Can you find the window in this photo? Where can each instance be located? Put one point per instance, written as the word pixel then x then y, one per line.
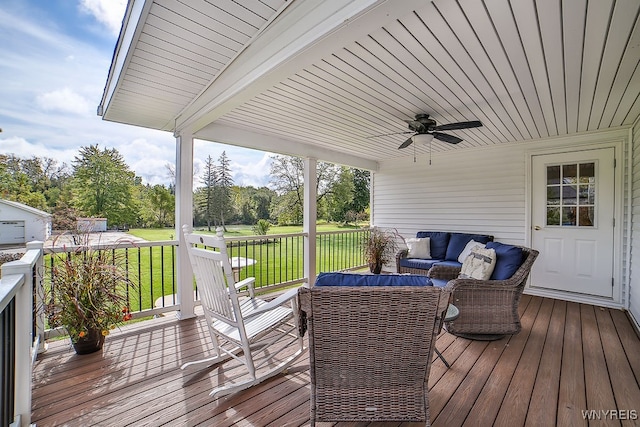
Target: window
pixel 571 194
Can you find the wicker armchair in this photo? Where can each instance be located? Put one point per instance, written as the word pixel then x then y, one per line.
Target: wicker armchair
pixel 371 350
pixel 488 308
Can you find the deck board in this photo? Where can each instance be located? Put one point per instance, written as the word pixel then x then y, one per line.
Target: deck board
pixel 568 358
pixel 543 404
pixel 571 396
pixel 518 394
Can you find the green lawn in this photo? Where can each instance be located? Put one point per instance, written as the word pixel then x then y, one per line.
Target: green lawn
pixel 277 260
pixel 158 234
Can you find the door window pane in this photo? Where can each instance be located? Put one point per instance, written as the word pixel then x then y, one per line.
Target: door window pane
pixel 568 216
pixel 569 174
pixel 553 175
pixel 571 194
pixel 553 216
pixel 585 218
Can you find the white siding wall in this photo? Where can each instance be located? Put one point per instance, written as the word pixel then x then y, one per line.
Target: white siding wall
pixel 634 282
pixel 485 191
pixel 479 191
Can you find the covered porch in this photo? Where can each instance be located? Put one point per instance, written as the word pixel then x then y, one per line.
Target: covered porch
pixel 554 85
pixel 336 81
pixel 570 365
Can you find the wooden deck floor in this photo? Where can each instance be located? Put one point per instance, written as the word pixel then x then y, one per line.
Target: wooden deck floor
pixel 568 358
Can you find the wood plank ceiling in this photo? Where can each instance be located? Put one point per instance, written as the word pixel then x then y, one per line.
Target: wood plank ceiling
pixel 527 69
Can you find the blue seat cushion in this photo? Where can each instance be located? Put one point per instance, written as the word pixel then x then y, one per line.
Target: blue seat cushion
pixel 508 260
pixel 458 241
pixel 423 264
pixel 449 263
pixel 438 241
pixel 439 283
pixel 353 279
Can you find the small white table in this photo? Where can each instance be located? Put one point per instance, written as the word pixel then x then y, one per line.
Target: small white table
pixel 238 263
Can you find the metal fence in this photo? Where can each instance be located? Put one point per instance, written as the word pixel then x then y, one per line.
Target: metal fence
pixel 275 261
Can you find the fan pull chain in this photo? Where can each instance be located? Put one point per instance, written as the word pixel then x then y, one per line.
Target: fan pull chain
pixel 429 153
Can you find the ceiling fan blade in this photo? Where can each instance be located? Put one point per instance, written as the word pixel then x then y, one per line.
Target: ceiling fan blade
pixel 406 143
pixel 393 133
pixel 451 139
pixel 459 125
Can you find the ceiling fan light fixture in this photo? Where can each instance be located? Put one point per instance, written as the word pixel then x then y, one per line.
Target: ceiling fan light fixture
pixel 423 138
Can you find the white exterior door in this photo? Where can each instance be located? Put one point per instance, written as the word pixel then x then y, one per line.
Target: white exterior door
pixel 573 221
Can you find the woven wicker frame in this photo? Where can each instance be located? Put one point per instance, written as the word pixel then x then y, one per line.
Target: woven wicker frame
pixel 488 308
pixel 371 350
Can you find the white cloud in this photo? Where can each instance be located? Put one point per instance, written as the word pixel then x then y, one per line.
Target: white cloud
pixel 254 173
pixel 66 101
pixel 107 12
pixel 25 150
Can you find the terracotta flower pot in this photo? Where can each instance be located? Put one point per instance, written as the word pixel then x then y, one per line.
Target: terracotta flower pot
pixel 90 343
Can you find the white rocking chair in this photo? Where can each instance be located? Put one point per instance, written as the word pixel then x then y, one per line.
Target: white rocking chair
pixel 262 331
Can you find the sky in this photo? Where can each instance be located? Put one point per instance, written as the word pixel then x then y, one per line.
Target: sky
pixel 54 61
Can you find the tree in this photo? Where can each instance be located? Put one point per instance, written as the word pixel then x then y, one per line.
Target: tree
pixel 208 198
pixel 287 178
pixel 103 186
pixel 17 185
pixel 340 198
pixel 158 206
pixel 361 185
pixel 224 182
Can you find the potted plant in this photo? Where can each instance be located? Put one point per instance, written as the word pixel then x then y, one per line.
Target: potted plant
pixel 380 248
pixel 88 292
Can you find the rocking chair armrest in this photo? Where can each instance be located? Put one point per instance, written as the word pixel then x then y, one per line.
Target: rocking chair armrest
pixel 248 283
pixel 291 294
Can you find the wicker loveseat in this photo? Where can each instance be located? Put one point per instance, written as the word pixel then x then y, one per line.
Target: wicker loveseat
pixel 371 346
pixel 444 249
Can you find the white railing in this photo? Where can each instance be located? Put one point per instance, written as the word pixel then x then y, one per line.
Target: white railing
pixel 19 346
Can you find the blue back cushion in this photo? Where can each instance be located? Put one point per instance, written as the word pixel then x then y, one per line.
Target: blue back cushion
pixel 508 259
pixel 438 240
pixel 352 279
pixel 458 241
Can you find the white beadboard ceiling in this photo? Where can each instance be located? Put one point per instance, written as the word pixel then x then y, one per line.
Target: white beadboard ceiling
pixel 307 77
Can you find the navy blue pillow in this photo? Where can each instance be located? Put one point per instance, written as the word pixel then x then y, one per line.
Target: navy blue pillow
pixel 508 260
pixel 438 242
pixel 353 279
pixel 458 241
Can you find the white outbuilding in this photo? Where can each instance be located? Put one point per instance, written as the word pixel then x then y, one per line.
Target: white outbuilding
pixel 20 223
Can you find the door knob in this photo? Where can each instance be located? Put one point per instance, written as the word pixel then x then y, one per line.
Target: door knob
pixel 537 227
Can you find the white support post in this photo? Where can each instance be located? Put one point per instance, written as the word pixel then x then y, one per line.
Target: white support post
pixel 24 329
pixel 184 215
pixel 310 219
pixel 39 299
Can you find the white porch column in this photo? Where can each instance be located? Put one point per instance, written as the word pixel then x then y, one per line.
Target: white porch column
pixel 309 219
pixel 184 215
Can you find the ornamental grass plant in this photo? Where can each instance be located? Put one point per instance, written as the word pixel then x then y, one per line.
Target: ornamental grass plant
pixel 89 289
pixel 380 248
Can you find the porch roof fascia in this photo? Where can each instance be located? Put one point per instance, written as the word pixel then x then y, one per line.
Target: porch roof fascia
pixel 246 138
pixel 132 23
